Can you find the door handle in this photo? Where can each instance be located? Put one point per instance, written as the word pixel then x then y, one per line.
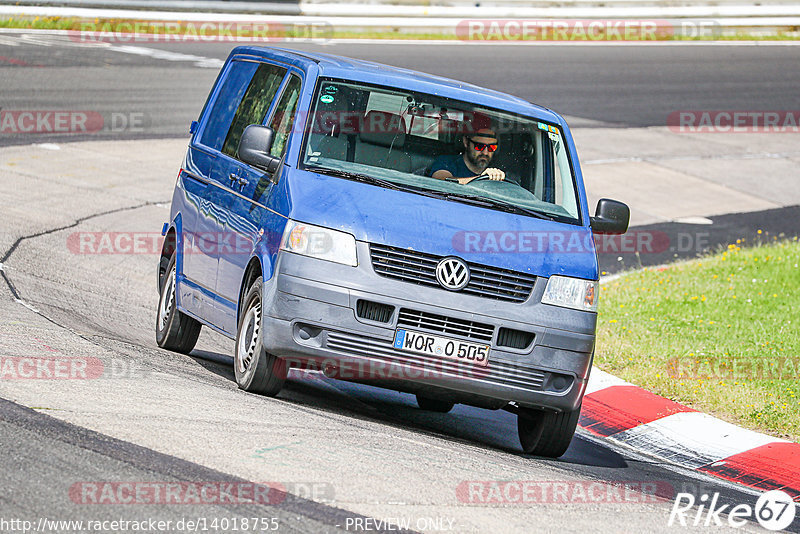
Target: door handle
pixel 232 178
pixel 242 182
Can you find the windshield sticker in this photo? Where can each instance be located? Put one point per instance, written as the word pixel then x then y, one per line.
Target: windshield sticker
pixel 327 99
pixel 553 137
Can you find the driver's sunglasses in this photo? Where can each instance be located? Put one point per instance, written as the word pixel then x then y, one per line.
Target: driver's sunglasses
pixel 480 146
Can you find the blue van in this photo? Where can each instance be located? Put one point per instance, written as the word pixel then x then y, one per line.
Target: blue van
pixel 387 227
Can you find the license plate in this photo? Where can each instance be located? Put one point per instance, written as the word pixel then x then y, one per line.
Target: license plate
pixel 443 347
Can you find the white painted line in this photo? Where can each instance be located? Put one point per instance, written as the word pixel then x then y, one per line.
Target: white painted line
pixel 692 439
pixel 606 161
pixel 20 301
pixel 8 41
pixel 199 61
pixel 693 220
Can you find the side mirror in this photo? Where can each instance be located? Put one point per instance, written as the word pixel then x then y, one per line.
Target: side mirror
pixel 254 148
pixel 610 217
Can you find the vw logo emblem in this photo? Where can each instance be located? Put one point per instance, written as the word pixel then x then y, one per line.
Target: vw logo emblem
pixel 452 273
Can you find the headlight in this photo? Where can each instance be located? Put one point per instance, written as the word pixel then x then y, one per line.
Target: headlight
pixel 320 243
pixel 571 293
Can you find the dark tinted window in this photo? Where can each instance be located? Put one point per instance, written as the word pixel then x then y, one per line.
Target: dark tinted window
pixel 227 102
pixel 283 118
pixel 254 105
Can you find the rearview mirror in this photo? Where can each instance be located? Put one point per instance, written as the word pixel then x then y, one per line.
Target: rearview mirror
pixel 254 147
pixel 610 217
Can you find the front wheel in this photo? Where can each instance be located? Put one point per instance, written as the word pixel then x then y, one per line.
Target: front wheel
pixel 546 433
pixel 256 370
pixel 174 329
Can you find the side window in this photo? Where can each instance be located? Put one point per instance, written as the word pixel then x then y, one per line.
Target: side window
pixel 254 105
pixel 230 95
pixel 283 118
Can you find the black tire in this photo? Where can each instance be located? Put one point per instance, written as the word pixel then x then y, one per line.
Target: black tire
pixel 434 405
pixel 544 433
pixel 256 370
pixel 174 330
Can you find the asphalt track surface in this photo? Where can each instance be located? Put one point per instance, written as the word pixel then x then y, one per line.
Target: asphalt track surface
pixel 626 86
pixel 183 419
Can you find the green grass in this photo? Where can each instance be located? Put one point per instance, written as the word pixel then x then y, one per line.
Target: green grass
pixel 720 334
pixel 76 24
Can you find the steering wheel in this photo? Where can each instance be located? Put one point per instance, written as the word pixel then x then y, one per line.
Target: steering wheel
pixel 483 177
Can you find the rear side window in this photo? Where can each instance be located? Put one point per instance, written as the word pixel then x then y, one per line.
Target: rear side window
pixel 227 102
pixel 283 117
pixel 254 105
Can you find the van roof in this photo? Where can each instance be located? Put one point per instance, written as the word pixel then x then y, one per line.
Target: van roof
pixel 329 65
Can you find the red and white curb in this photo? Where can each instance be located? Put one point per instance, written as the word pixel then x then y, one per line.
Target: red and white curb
pixel 627 414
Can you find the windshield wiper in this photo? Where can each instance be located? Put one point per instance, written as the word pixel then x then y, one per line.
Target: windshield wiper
pixel 474 200
pixel 354 176
pixel 358 177
pixel 496 204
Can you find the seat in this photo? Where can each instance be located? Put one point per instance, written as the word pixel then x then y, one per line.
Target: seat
pixel 329 144
pixel 380 142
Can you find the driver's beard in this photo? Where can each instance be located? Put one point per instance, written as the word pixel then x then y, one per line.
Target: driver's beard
pixel 480 164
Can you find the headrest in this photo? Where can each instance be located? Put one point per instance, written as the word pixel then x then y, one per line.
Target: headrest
pixel 477 121
pixel 383 128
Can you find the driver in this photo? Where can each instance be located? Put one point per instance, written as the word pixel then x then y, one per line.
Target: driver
pixel 479 149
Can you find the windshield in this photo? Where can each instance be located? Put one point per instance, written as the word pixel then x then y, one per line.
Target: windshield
pixel 440 147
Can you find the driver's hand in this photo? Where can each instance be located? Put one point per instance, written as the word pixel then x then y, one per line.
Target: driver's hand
pixel 495 174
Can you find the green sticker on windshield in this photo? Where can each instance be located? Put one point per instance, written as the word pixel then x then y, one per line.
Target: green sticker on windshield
pixel 327 99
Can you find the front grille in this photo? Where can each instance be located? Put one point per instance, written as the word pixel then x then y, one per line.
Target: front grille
pixel 441 324
pixel 374 311
pixel 498 372
pixel 420 268
pixel 515 339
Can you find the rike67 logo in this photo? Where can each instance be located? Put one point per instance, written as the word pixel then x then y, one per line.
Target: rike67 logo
pixel 774 510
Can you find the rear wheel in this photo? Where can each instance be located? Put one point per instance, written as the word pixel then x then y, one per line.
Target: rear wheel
pixel 256 370
pixel 546 433
pixel 174 329
pixel 434 405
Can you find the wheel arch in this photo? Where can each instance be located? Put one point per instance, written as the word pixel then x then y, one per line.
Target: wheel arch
pixel 252 272
pixel 170 246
